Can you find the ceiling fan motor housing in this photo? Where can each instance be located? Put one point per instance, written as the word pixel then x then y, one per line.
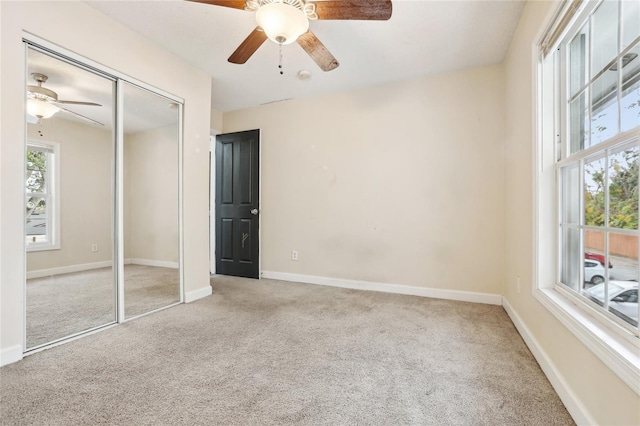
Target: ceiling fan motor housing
pixel 39 92
pixel 43 94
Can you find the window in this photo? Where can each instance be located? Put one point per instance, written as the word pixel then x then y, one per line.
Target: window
pixel 597 168
pixel 41 196
pixel 587 183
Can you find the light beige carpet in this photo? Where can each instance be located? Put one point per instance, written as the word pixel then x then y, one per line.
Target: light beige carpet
pixel 276 353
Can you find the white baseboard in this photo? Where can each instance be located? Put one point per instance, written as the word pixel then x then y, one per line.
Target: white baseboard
pixel 151 262
pixel 10 355
pixel 576 408
pixel 68 269
pixel 193 295
pixel 96 265
pixel 436 293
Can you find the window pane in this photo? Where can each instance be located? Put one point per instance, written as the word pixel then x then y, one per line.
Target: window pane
pixel 623 189
pixel 36 169
pixel 623 288
pixel 630 108
pixel 605 35
pixel 594 174
pixel 36 186
pixel 37 220
pixel 578 60
pixel 570 274
pixel 604 107
pixel 630 22
pixel 571 195
pixel 595 261
pixel 579 124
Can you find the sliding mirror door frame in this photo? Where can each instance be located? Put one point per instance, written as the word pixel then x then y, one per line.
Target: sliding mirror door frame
pixel 34 42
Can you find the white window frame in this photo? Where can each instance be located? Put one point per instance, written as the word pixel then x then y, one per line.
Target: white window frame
pixel 53 197
pixel 614 343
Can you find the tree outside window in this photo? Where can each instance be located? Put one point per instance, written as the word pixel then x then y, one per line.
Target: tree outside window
pixel 39 196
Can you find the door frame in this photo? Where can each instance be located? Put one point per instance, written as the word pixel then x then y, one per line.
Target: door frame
pixel 212 200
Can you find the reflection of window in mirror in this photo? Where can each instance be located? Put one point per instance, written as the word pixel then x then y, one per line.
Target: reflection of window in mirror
pixel 41 196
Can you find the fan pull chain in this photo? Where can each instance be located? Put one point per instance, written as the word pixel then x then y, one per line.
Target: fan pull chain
pixel 40 127
pixel 280 61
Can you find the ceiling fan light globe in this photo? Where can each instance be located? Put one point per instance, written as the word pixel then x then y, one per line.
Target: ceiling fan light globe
pixel 281 22
pixel 41 109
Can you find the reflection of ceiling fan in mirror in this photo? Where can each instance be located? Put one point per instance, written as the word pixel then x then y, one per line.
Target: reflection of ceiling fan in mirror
pixel 43 103
pixel 287 21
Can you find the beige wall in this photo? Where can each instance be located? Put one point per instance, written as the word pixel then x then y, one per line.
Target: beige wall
pixel 81 29
pixel 401 183
pixel 86 175
pixel 216 119
pixel 603 395
pixel 151 195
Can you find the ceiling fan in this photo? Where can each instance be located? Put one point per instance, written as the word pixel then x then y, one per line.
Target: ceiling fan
pixel 287 21
pixel 44 103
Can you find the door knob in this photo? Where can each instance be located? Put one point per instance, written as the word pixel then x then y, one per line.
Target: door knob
pixel 254 211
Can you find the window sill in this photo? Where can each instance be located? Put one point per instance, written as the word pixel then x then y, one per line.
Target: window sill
pixel 618 352
pixel 46 247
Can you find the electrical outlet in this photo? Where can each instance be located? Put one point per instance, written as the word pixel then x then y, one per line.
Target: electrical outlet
pixel 294 255
pixel 518 283
pixel 94 247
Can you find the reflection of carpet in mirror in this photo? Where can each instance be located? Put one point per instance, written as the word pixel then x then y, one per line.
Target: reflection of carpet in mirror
pixel 62 305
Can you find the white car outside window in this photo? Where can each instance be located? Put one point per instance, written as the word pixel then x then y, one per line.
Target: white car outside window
pixel 593 272
pixel 622 299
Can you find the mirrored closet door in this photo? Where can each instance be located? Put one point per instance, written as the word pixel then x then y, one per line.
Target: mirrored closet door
pixel 69 200
pixel 102 199
pixel 151 150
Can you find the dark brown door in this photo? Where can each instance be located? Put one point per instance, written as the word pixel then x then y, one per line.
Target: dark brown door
pixel 237 196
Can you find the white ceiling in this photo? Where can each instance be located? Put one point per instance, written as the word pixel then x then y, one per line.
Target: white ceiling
pixel 422 37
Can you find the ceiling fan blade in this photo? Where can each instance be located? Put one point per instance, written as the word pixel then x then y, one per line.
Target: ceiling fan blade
pixel 235 4
pixel 82 116
pixel 77 103
pixel 320 54
pixel 248 47
pixel 365 10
